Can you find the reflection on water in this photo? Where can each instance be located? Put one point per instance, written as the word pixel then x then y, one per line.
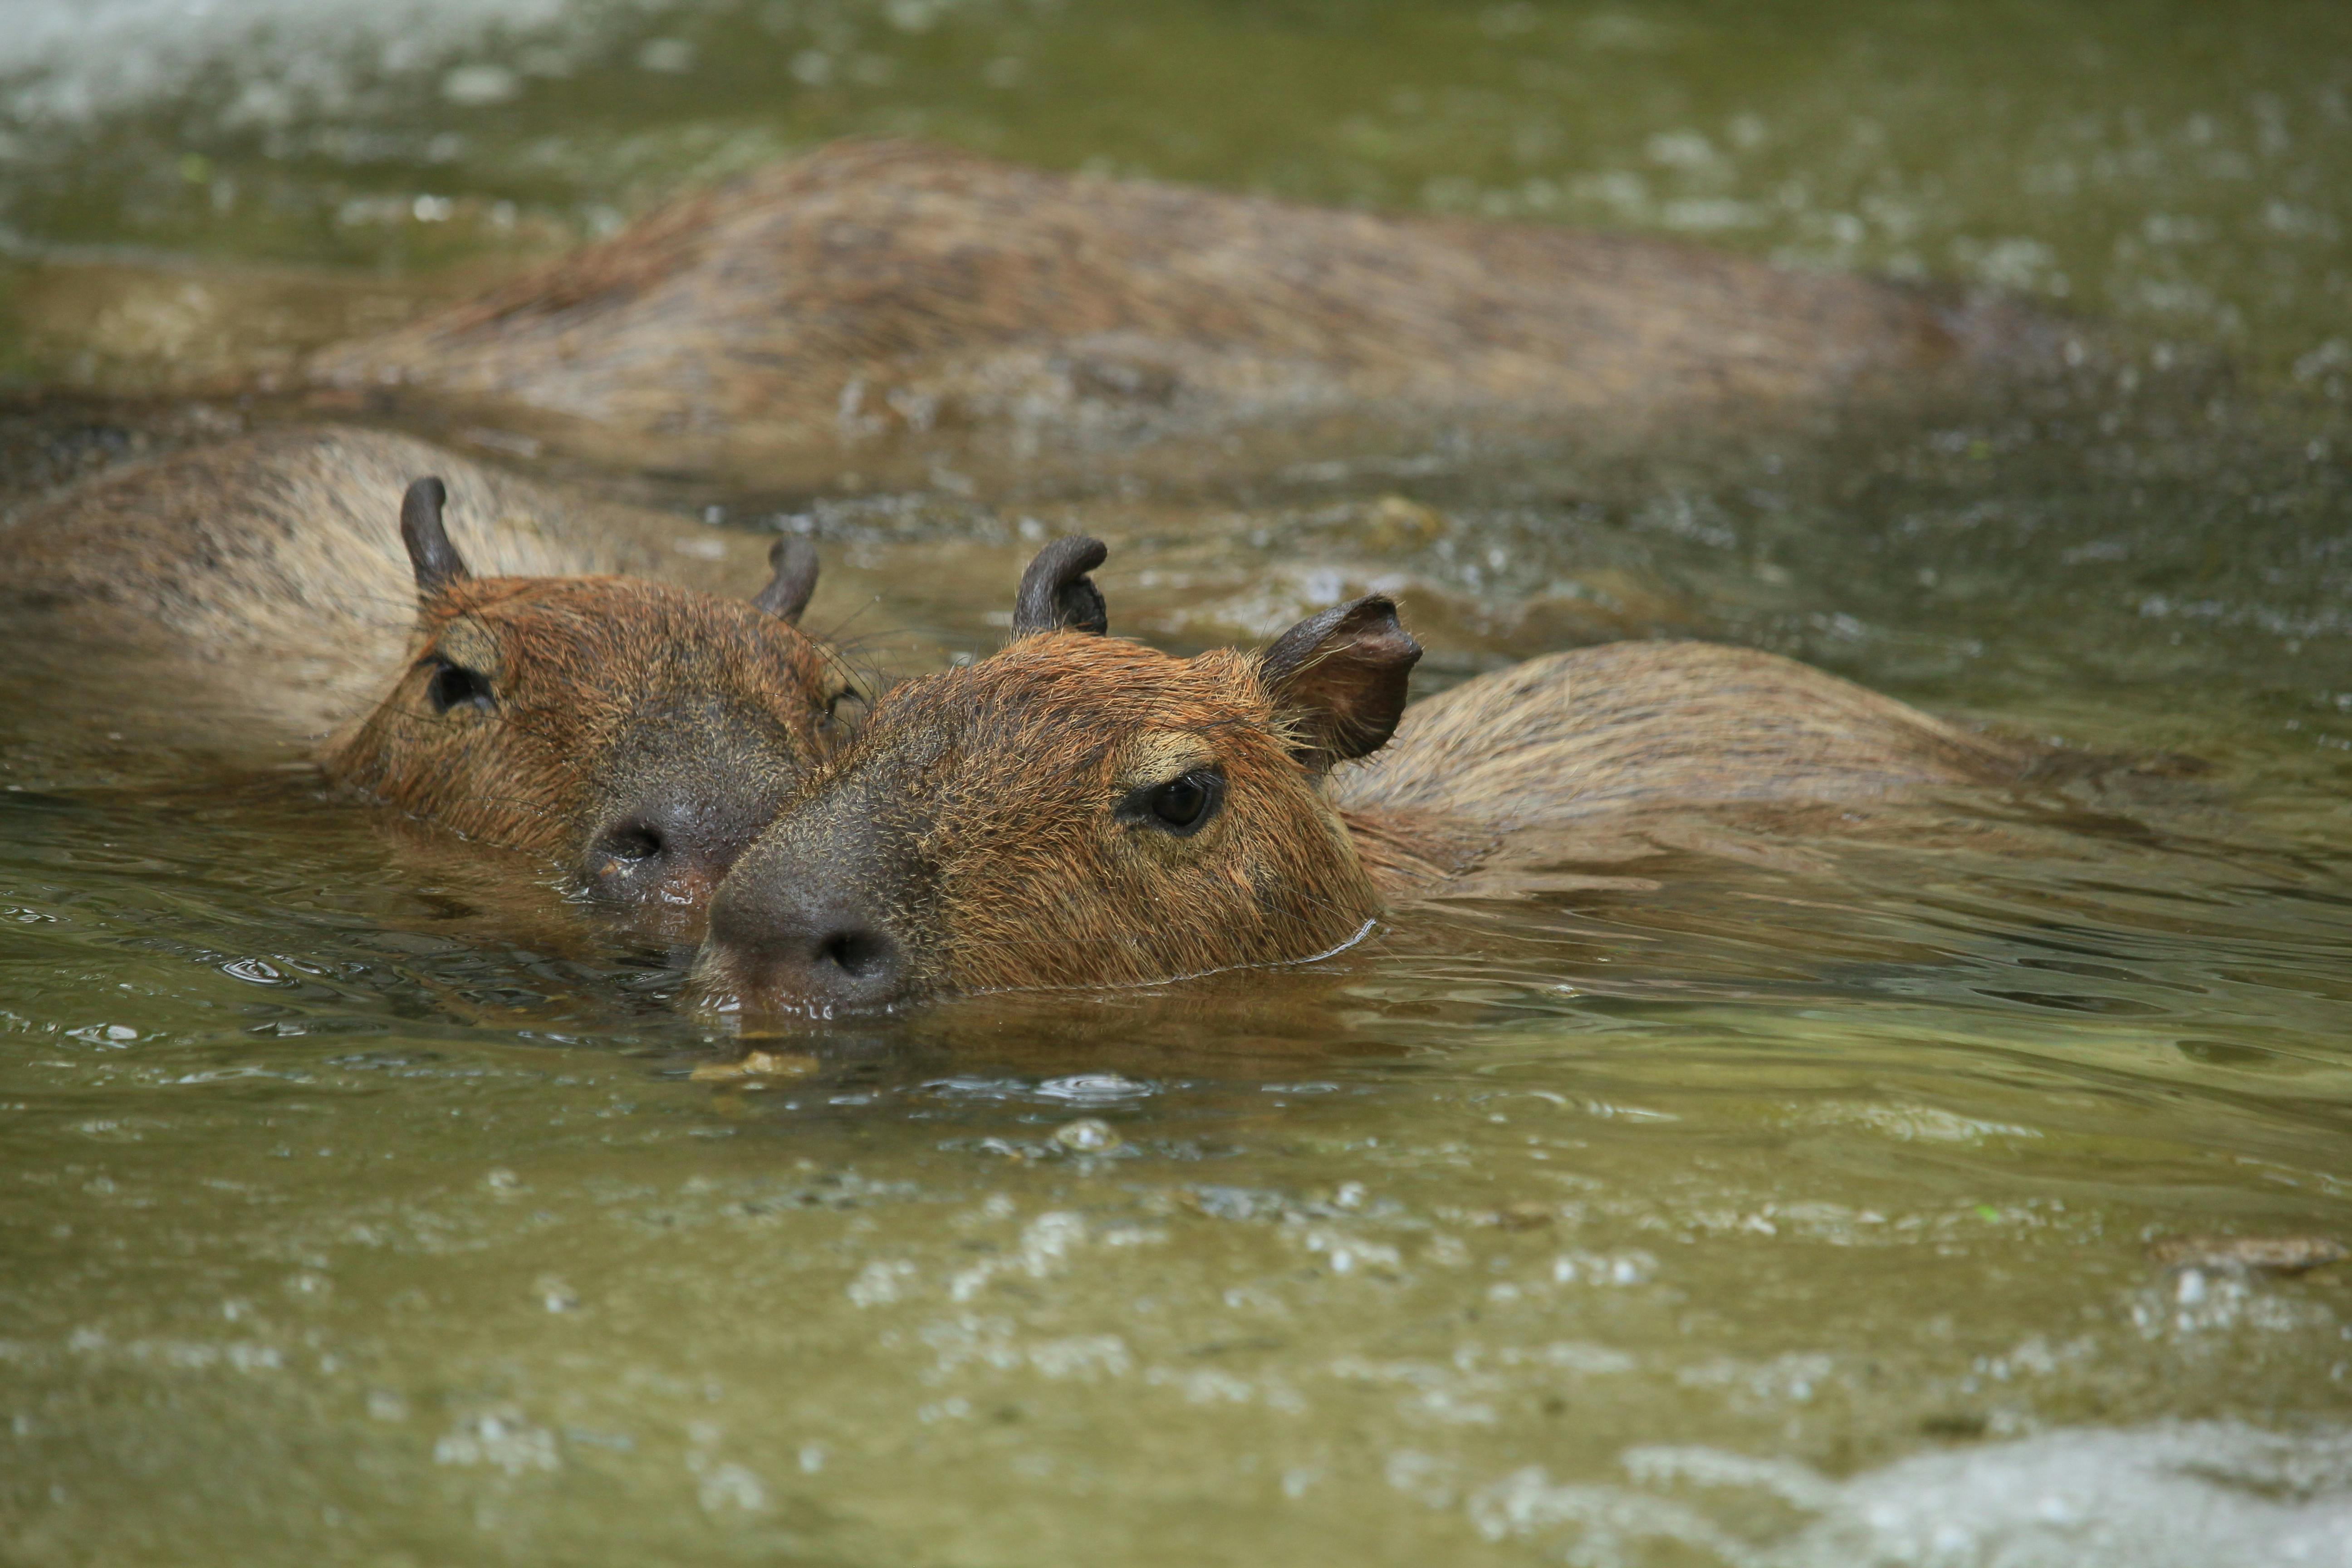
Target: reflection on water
pixel 1794 1209
pixel 1768 1193
pixel 2178 166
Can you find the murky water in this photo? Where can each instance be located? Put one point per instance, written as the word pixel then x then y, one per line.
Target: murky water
pixel 1786 1202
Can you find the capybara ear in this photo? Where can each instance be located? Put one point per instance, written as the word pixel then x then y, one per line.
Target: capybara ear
pixel 787 594
pixel 1056 595
pixel 434 559
pixel 1339 679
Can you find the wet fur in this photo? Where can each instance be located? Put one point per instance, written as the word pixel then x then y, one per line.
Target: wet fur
pixel 605 685
pixel 986 790
pixel 974 808
pixel 271 565
pixel 264 585
pixel 1640 723
pixel 805 317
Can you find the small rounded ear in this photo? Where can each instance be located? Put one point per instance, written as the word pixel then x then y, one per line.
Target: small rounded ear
pixel 787 594
pixel 1339 679
pixel 436 560
pixel 1056 595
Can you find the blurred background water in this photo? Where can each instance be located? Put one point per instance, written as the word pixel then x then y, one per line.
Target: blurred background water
pixel 355 1206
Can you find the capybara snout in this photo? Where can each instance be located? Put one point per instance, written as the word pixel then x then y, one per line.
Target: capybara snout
pixel 638 734
pixel 791 943
pixel 685 791
pixel 1074 811
pixel 263 593
pixel 1081 811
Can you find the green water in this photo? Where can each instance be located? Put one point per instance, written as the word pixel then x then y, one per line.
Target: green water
pixel 358 1202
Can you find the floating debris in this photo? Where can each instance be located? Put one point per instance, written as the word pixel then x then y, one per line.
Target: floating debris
pixel 2273 1254
pixel 755 1065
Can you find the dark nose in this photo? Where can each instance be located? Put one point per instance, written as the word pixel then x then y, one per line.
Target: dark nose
pixel 800 950
pixel 666 852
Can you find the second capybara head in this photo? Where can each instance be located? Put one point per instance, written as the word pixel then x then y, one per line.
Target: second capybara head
pixel 1074 811
pixel 640 735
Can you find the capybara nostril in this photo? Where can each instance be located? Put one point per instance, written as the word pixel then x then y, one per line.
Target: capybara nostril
pixel 860 956
pixel 630 843
pixel 773 948
pixel 1079 810
pixel 535 712
pixel 627 858
pixel 671 850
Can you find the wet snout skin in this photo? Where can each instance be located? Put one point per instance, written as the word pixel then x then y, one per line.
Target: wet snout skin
pixel 1074 812
pixel 638 735
pixel 696 779
pixel 817 919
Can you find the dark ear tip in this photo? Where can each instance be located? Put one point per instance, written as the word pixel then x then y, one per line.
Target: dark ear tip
pixel 1371 619
pixel 1055 592
pixel 794 561
pixel 1378 610
pixel 1374 609
pixel 1344 672
pixel 434 559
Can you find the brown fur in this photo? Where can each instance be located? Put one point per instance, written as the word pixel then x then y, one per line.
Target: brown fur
pixel 271 565
pixel 972 830
pixel 1637 723
pixel 600 680
pixel 998 781
pixel 264 583
pixel 805 318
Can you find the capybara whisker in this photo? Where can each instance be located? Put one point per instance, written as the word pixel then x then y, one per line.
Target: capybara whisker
pixel 1081 811
pixel 639 733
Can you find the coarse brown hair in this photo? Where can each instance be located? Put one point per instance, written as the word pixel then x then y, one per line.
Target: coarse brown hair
pixel 639 733
pixel 1078 810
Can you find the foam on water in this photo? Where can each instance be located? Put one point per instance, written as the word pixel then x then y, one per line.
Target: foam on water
pixel 2206 1494
pixel 2185 1495
pixel 72 61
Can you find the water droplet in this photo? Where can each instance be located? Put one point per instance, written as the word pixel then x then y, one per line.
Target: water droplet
pixel 1087 1135
pixel 1093 1089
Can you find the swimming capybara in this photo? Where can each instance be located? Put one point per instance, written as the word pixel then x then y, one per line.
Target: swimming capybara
pixel 1078 810
pixel 308 580
pixel 877 303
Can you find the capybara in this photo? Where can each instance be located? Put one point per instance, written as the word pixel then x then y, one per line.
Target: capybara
pixel 1078 810
pixel 305 580
pixel 872 302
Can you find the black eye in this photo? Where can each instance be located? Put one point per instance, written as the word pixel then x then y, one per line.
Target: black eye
pixel 1181 806
pixel 455 686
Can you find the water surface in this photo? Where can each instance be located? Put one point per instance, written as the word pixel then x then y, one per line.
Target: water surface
pixel 1786 1202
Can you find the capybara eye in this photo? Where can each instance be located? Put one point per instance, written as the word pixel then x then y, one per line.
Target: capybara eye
pixel 1181 806
pixel 455 686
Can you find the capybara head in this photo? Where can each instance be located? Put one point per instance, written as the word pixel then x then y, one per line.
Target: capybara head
pixel 640 734
pixel 1074 811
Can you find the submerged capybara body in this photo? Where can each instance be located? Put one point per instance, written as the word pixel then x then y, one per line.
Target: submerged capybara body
pixel 1082 811
pixel 876 295
pixel 283 547
pixel 1571 735
pixel 306 581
